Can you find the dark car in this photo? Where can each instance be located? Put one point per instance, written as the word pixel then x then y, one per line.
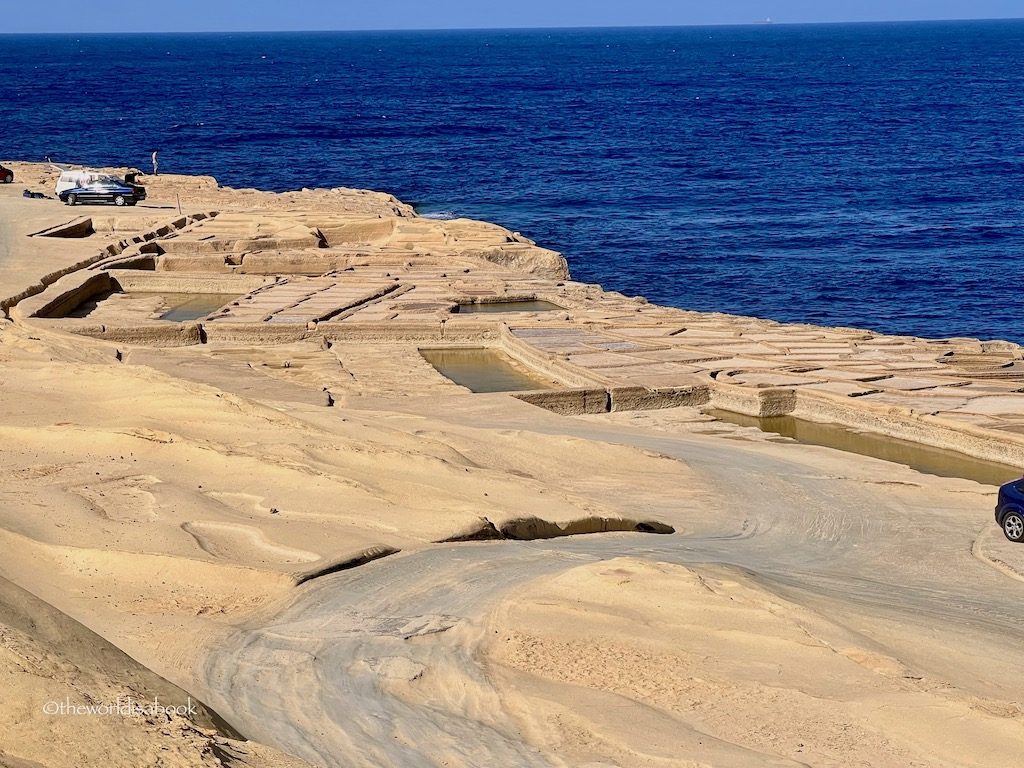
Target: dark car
pixel 1010 509
pixel 6 175
pixel 109 190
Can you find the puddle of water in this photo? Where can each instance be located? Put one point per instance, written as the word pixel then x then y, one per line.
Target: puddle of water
pixel 483 370
pixel 176 307
pixel 489 307
pixel 182 307
pixel 923 458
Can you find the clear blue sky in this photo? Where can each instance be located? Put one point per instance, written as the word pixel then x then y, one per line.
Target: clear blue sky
pixel 282 15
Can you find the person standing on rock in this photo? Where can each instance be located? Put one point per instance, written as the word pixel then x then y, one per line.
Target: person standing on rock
pixel 155 166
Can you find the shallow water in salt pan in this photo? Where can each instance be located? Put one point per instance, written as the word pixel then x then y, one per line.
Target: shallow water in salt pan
pixel 498 307
pixel 484 370
pixel 183 307
pixel 923 458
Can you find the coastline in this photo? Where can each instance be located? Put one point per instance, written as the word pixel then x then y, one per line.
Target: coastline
pixel 953 394
pixel 295 447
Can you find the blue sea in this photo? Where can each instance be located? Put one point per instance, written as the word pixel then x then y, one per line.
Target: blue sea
pixel 867 175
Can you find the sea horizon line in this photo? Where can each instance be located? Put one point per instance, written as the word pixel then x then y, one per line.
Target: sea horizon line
pixel 763 23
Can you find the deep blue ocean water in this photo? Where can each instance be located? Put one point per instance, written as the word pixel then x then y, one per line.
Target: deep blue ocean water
pixel 864 175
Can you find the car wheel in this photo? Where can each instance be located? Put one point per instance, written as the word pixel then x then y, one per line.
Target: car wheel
pixel 8 178
pixel 1013 526
pixel 72 199
pixel 119 200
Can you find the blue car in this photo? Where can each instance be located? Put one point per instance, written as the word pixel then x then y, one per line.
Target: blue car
pixel 108 190
pixel 1010 509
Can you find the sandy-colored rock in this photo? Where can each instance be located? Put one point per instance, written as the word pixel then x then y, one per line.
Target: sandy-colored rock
pixel 280 507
